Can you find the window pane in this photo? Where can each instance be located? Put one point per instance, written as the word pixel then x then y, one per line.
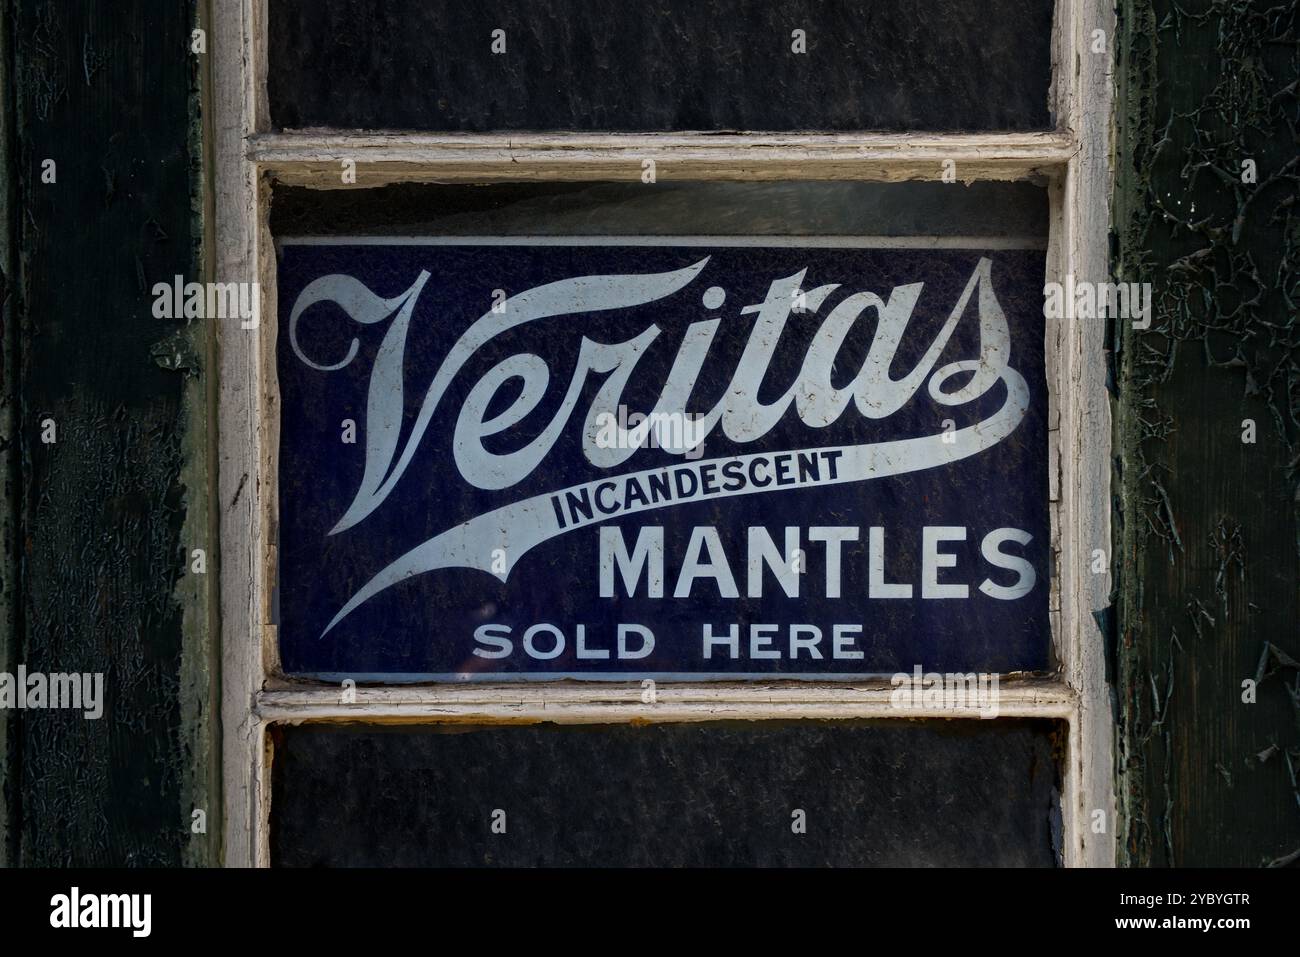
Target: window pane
pixel 718 794
pixel 670 65
pixel 465 495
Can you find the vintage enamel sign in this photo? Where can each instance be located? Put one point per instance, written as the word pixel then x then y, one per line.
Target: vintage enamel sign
pixel 676 458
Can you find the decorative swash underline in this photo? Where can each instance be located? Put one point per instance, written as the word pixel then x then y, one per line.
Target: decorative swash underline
pixel 513 530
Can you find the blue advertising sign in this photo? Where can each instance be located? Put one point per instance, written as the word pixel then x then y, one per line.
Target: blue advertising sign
pixel 685 457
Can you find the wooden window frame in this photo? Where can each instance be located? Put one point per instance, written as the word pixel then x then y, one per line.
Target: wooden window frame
pixel 1074 160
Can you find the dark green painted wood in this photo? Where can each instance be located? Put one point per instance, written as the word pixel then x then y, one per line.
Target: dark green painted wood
pixel 9 526
pixel 108 92
pixel 1210 560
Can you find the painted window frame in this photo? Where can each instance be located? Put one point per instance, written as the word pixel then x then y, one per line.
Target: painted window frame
pixel 245 157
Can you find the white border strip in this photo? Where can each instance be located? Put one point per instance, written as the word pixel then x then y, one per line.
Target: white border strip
pixel 596 677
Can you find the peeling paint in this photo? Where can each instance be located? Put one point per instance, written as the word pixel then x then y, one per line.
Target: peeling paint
pixel 1209 520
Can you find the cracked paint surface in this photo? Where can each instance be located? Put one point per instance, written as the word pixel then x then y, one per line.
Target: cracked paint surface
pixel 108 514
pixel 1207 520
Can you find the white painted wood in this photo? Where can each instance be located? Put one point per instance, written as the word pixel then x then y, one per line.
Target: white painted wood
pixel 1085 434
pixel 316 158
pixel 241 474
pixel 589 702
pixel 1076 163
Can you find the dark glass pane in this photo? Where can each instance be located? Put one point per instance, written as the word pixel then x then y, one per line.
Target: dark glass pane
pixel 988 209
pixel 633 65
pixel 721 794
